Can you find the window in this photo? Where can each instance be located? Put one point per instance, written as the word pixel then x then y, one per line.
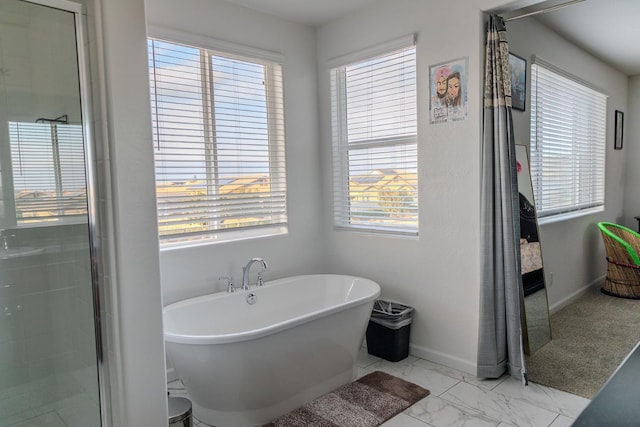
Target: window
pixel 375 143
pixel 568 127
pixel 47 163
pixel 218 132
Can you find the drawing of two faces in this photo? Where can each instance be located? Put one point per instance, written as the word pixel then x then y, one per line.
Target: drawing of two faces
pixel 448 87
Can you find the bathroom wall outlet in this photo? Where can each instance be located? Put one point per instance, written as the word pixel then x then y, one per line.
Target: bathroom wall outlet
pixel 550 280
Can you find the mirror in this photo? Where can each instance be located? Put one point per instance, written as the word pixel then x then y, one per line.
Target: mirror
pixel 535 322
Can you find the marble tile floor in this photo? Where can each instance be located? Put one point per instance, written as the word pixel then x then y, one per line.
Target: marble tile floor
pixel 68 399
pixel 459 399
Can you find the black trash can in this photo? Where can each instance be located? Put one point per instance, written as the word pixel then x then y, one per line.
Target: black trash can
pixel 389 329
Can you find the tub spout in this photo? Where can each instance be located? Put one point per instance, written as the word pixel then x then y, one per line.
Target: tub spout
pixel 246 268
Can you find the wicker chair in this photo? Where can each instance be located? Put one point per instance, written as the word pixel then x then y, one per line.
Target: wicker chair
pixel 623 264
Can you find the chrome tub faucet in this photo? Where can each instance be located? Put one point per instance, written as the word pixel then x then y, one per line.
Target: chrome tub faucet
pixel 245 272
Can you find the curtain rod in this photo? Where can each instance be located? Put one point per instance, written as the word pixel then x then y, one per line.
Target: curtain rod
pixel 547 9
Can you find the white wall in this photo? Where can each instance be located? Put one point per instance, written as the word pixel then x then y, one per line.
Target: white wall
pixel 194 271
pixel 631 152
pixel 573 252
pixel 134 300
pixel 438 273
pixel 41 78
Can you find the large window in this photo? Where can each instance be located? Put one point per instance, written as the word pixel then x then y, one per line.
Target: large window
pixel 218 132
pixel 568 129
pixel 375 143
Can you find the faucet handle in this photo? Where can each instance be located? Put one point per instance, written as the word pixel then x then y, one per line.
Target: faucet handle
pixel 230 287
pixel 260 281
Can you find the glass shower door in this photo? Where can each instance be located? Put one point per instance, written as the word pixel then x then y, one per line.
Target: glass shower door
pixel 48 356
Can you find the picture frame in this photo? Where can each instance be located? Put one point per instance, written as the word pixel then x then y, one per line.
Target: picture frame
pixel 619 130
pixel 448 91
pixel 518 70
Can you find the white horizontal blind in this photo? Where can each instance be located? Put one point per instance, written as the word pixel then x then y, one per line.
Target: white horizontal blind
pixel 568 141
pixel 375 143
pixel 48 169
pixel 218 131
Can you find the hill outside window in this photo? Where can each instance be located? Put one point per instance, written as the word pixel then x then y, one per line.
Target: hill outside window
pixel 375 140
pixel 218 134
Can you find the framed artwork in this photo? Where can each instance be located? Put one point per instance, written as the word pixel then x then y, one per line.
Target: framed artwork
pixel 518 69
pixel 619 129
pixel 448 91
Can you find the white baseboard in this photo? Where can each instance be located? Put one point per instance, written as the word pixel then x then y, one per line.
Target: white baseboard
pixel 574 296
pixel 443 359
pixel 440 358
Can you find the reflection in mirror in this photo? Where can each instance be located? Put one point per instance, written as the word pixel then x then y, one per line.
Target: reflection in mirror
pixel 536 326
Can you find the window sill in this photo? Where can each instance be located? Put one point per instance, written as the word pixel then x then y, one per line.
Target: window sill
pixel 227 237
pixel 380 232
pixel 569 215
pixel 62 222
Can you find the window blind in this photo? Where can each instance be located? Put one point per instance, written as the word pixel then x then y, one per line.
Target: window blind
pixel 47 161
pixel 568 141
pixel 375 143
pixel 218 132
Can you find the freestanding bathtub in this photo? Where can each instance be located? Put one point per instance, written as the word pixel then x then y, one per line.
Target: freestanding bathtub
pixel 249 356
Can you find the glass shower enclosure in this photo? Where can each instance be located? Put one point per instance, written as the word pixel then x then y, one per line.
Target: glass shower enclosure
pixel 49 361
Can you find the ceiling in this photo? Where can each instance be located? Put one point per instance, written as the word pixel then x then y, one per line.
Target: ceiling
pixel 608 29
pixel 308 12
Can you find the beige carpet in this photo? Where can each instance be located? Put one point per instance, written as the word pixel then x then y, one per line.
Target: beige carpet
pixel 367 402
pixel 590 338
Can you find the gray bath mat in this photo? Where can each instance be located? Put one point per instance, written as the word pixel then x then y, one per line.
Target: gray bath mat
pixel 367 402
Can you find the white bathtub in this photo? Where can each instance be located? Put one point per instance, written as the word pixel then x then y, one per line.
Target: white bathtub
pixel 245 364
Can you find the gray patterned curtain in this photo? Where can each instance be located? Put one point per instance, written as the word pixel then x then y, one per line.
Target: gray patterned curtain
pixel 500 336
